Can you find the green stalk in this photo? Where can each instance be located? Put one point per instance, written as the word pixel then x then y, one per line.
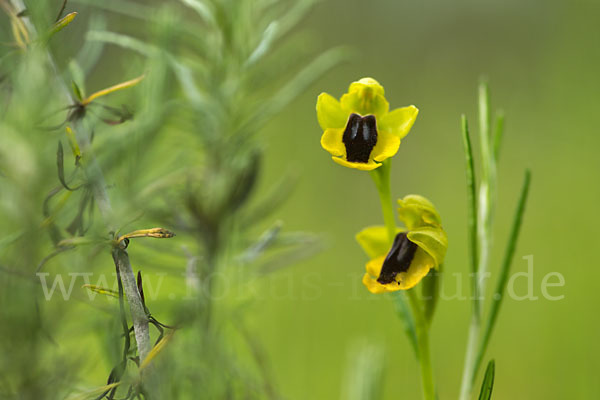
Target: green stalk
pixel 422 328
pixel 483 244
pixel 381 177
pixel 487 192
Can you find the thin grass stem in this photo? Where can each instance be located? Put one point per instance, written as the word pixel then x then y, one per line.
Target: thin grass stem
pixel 498 135
pixel 485 209
pixel 503 277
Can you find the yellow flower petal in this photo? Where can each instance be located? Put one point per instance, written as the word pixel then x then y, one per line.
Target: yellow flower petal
pixel 374 240
pixel 372 285
pixel 331 140
pixel 399 121
pixel 374 266
pixel 387 146
pixel 330 113
pixel 417 211
pixel 419 268
pixel 366 84
pixel 365 102
pixel 432 240
pixel 365 97
pixel 370 278
pixel 371 165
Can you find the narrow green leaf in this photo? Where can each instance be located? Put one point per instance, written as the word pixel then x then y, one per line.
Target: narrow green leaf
pixel 297 11
pixel 262 244
pixel 77 241
pixel 498 295
pixel 101 290
pixel 471 211
pixel 140 286
pixel 202 9
pixel 94 392
pixel 484 110
pixel 299 247
pixel 265 44
pixel 156 350
pixel 62 23
pixel 406 318
pixel 124 41
pixel 484 129
pixel 498 134
pixel 60 165
pixel 488 381
pixel 61 168
pixel 89 54
pixel 184 74
pixel 76 91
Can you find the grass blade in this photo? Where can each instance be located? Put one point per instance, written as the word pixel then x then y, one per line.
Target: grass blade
pixel 488 381
pixel 504 271
pixel 472 210
pixel 484 125
pixel 498 134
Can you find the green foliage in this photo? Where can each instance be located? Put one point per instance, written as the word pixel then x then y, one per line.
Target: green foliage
pixel 480 228
pixel 145 153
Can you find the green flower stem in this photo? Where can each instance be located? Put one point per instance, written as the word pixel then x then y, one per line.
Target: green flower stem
pixel 381 177
pixel 422 328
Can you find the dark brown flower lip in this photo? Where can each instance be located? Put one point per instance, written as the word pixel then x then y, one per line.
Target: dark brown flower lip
pixel 360 137
pixel 398 259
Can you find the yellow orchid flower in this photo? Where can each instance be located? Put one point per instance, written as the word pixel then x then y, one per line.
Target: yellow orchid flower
pixel 359 130
pixel 416 249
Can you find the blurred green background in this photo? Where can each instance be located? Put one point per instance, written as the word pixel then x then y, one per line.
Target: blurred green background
pixel 541 59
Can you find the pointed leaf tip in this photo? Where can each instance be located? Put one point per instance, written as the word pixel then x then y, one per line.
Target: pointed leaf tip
pixel 488 381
